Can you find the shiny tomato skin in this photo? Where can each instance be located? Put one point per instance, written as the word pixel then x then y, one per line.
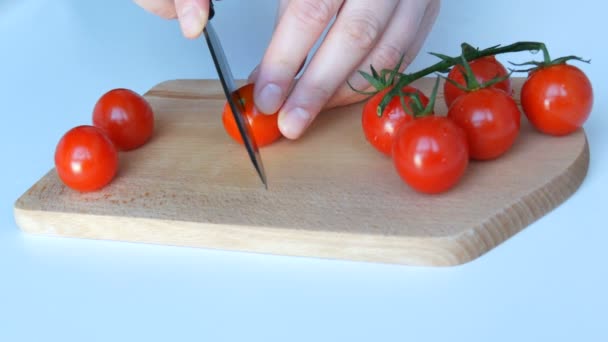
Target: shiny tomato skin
pixel 558 99
pixel 491 120
pixel 380 131
pixel 126 117
pixel 265 128
pixel 86 159
pixel 485 69
pixel 431 154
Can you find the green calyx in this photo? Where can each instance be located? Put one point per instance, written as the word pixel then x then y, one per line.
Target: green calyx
pixel 379 81
pixel 547 61
pixel 471 83
pixel 534 65
pixel 418 110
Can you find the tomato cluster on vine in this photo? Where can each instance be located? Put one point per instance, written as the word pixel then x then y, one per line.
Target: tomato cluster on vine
pixel 432 152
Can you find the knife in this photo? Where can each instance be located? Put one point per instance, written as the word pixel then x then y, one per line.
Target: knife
pixel 232 95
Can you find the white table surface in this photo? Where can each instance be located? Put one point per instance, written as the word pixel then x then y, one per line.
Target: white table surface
pixel 550 282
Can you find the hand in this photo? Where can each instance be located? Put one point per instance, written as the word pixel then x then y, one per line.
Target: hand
pixel 192 14
pixel 365 32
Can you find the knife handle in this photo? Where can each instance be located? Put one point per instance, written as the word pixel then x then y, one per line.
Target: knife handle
pixel 211 10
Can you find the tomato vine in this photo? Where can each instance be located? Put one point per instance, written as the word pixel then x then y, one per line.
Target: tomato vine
pixel 469 53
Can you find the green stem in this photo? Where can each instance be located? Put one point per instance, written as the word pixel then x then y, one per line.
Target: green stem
pixel 546 55
pixel 468 74
pixel 470 54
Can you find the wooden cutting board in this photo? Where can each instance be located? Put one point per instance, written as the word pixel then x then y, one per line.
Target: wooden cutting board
pixel 330 195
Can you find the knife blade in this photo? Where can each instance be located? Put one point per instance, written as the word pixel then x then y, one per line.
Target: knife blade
pixel 234 98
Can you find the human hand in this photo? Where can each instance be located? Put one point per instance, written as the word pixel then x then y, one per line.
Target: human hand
pixel 192 14
pixel 364 32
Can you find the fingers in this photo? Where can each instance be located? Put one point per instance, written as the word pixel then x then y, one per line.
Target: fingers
pixel 192 15
pixel 162 8
pixel 280 11
pixel 430 15
pixel 405 35
pixel 299 28
pixel 354 33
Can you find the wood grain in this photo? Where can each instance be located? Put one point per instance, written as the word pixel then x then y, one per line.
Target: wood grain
pixel 330 194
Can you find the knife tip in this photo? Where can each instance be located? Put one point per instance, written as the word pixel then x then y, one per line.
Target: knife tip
pixel 261 173
pixel 264 182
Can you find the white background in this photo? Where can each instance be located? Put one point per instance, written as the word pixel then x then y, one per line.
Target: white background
pixel 56 58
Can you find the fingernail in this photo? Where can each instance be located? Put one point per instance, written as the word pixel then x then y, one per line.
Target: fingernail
pixel 270 99
pixel 191 21
pixel 253 75
pixel 293 123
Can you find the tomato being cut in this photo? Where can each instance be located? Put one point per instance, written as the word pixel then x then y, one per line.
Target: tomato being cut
pixel 126 117
pixel 86 159
pixel 431 154
pixel 265 128
pixel 381 130
pixel 557 99
pixel 491 120
pixel 485 69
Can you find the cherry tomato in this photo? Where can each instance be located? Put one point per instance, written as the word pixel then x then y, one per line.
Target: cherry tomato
pixel 431 154
pixel 484 69
pixel 265 128
pixel 491 120
pixel 86 159
pixel 126 117
pixel 557 99
pixel 381 130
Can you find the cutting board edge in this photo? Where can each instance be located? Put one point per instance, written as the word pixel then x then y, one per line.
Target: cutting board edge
pixel 529 208
pixel 164 89
pixel 441 251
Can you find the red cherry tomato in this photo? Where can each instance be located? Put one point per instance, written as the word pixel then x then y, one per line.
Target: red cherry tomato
pixel 381 130
pixel 431 154
pixel 484 69
pixel 557 99
pixel 491 120
pixel 265 128
pixel 86 159
pixel 126 117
